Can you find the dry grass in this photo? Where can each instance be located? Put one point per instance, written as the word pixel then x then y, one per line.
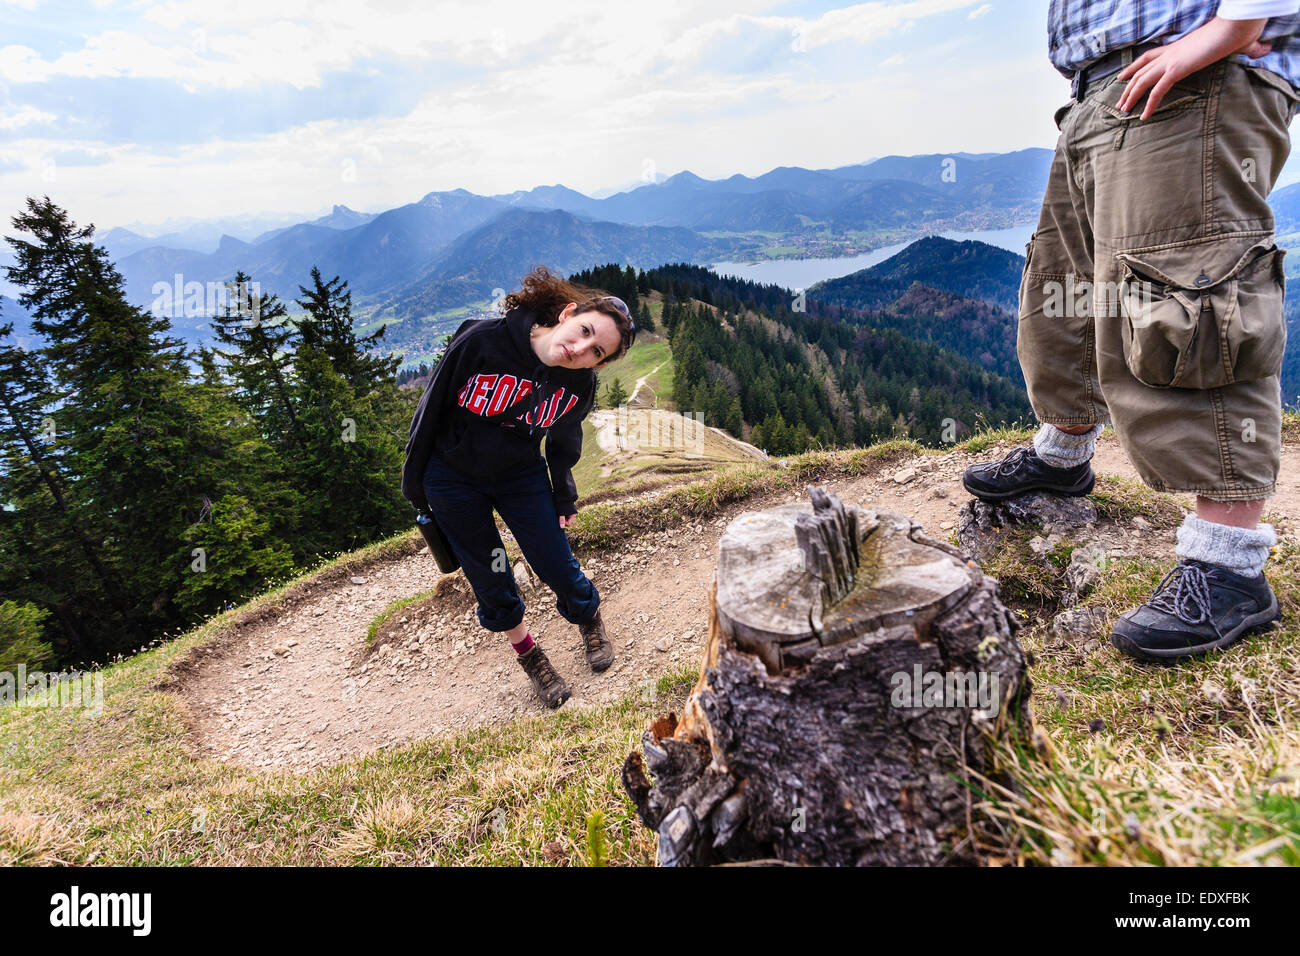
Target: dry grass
pixel 1188 765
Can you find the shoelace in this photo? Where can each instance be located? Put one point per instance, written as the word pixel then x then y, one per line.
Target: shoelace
pixel 1184 590
pixel 545 671
pixel 1011 464
pixel 590 636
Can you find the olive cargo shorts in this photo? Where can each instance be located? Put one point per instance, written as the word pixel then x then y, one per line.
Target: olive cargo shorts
pixel 1152 290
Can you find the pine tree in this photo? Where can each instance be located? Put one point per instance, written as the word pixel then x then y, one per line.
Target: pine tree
pixel 46 554
pixel 615 394
pixel 260 344
pixel 135 448
pixel 328 327
pixel 735 421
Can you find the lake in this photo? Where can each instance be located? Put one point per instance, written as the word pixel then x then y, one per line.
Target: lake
pixel 802 273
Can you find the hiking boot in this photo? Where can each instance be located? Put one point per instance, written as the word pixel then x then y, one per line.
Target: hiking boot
pixel 548 684
pixel 1197 607
pixel 600 652
pixel 1021 471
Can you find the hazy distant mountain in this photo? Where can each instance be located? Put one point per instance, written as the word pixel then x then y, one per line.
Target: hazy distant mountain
pixel 1286 209
pixel 340 217
pixel 497 254
pixel 551 197
pixel 12 312
pixel 120 242
pixel 383 254
pixel 380 254
pixel 200 235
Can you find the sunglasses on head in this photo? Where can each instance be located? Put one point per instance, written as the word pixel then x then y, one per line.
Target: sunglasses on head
pixel 619 304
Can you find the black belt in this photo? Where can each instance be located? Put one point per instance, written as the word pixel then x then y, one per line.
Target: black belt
pixel 1112 62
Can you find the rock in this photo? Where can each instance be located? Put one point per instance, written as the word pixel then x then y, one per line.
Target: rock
pixel 1141 523
pixel 939 493
pixel 1084 570
pixel 280 649
pixel 904 475
pixel 980 524
pixel 1079 624
pixel 357 580
pixel 523 578
pixel 664 645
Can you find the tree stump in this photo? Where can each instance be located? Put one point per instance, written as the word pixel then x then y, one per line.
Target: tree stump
pixel 855 668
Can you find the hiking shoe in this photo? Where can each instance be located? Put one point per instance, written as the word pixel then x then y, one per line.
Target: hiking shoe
pixel 600 652
pixel 1021 471
pixel 548 684
pixel 1196 607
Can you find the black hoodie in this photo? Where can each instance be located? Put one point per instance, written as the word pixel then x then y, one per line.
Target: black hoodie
pixel 488 405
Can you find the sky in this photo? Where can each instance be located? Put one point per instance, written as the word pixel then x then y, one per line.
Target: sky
pixel 147 112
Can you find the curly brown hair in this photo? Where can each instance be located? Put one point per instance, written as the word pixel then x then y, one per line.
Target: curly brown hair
pixel 545 294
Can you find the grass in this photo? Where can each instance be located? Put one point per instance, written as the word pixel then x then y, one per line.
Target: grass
pixel 649 352
pixel 123 789
pixel 984 439
pixel 1120 499
pixel 386 615
pixel 1189 765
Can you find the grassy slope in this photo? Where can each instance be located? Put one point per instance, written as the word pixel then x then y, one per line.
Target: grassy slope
pixel 1195 764
pixel 647 466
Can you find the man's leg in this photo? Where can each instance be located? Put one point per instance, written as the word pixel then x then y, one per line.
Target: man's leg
pixel 1188 297
pixel 1056 345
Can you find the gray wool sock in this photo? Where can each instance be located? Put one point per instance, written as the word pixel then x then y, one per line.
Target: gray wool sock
pixel 1243 550
pixel 1059 450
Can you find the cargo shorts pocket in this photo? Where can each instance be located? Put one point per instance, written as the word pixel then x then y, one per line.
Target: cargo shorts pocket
pixel 1203 315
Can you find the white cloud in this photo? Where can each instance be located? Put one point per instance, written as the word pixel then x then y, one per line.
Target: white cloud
pixel 581 93
pixel 246 43
pixel 979 11
pixel 863 23
pixel 26 116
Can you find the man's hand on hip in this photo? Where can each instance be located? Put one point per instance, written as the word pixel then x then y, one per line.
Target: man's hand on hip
pixel 1159 69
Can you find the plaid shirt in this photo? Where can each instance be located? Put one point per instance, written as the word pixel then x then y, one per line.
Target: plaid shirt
pixel 1079 32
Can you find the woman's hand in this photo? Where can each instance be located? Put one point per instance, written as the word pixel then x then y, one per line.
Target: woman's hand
pixel 1159 69
pixel 566 520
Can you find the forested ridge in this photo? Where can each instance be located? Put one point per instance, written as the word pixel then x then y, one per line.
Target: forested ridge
pixel 802 379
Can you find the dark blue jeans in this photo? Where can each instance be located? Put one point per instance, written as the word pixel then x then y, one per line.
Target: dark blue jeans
pixel 463 507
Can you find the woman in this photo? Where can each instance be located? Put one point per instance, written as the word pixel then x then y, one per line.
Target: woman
pixel 501 386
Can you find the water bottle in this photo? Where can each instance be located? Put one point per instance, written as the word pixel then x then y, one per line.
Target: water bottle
pixel 439 547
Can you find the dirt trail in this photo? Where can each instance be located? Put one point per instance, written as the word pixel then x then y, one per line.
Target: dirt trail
pixel 301 690
pixel 636 389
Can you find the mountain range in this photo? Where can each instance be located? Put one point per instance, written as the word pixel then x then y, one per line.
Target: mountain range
pixel 427 256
